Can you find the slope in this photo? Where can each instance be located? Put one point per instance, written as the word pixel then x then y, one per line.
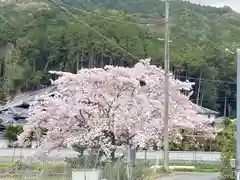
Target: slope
pixel 53 40
pixel 200 34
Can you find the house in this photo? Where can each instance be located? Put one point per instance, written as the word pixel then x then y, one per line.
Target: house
pixel 16 110
pixel 3 141
pixel 212 116
pixel 208 113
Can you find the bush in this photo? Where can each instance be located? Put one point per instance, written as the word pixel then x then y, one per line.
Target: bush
pixel 11 132
pixel 228 152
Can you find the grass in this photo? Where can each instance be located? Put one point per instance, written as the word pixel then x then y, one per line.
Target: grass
pixel 110 172
pixel 32 165
pixel 200 166
pixel 141 171
pixel 6 164
pixel 155 174
pixel 210 170
pixel 32 178
pixel 149 174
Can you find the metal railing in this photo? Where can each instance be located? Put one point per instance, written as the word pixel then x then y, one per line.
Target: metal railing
pixel 7 154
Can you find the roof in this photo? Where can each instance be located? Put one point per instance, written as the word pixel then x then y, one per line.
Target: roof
pixel 16 111
pixel 203 110
pixel 11 116
pixel 27 97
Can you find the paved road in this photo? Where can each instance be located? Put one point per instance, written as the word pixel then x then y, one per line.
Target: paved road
pixel 192 176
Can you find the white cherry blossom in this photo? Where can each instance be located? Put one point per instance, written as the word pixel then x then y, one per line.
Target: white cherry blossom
pixel 113 107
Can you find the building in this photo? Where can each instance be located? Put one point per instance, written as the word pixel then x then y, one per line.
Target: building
pixel 16 110
pixel 208 113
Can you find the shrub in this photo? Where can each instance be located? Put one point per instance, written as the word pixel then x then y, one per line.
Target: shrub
pixel 228 152
pixel 11 132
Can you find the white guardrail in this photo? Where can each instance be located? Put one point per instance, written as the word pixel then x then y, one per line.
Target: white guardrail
pixel 6 153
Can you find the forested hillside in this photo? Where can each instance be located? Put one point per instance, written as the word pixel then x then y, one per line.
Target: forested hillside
pixel 39 37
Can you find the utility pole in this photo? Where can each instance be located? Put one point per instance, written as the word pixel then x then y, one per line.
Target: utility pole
pixel 238 118
pixel 166 88
pixel 229 110
pixel 225 105
pixel 202 100
pixel 199 88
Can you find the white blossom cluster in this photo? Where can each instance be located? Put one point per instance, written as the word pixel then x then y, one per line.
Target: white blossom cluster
pixel 113 107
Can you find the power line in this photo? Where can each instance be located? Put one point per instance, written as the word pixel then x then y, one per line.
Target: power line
pixel 90 27
pixel 106 38
pixel 108 18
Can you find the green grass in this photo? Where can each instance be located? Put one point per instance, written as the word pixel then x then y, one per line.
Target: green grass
pixel 32 165
pixel 156 174
pixel 33 178
pixel 200 166
pixel 110 172
pixel 6 164
pixel 210 170
pixel 141 171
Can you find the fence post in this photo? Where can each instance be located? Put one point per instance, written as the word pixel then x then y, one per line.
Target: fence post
pixel 195 159
pixel 145 156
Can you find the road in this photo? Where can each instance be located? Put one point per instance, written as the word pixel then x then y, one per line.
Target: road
pixel 150 155
pixel 192 176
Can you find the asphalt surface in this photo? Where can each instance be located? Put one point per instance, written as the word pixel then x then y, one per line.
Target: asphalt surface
pixel 192 176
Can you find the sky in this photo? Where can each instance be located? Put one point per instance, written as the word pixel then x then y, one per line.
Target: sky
pixel 234 4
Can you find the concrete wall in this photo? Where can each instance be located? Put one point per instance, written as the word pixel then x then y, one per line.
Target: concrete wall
pixel 211 117
pixel 3 143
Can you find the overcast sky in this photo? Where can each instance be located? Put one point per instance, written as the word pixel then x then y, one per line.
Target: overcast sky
pixel 234 4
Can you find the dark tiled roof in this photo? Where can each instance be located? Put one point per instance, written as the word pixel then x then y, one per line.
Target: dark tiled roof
pixel 16 111
pixel 6 118
pixel 25 98
pixel 12 119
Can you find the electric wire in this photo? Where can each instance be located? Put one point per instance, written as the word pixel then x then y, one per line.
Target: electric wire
pixel 90 27
pixel 108 18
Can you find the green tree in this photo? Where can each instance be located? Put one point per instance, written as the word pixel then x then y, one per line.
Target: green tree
pixel 11 132
pixel 228 150
pixel 33 42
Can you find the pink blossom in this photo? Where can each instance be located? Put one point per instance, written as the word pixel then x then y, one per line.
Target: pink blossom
pixel 112 107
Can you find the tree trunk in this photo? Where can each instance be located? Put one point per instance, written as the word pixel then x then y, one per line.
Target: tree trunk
pixel 81 66
pixel 122 61
pixel 77 63
pixel 102 62
pixel 2 69
pixel 111 61
pixel 91 59
pixel 113 155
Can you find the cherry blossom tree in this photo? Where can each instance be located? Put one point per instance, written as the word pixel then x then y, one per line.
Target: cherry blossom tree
pixel 112 107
